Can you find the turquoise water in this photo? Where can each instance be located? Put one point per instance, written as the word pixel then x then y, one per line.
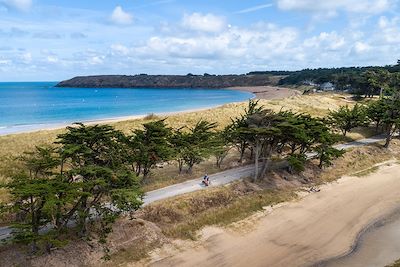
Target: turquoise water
pixel 32 106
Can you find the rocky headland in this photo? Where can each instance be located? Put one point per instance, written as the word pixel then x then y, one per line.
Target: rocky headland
pixel 167 81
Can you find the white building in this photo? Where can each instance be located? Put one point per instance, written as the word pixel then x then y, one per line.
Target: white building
pixel 328 86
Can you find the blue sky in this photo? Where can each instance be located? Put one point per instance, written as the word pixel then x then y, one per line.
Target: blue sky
pixel 54 40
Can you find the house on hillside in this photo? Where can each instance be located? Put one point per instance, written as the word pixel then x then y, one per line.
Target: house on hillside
pixel 328 86
pixel 309 83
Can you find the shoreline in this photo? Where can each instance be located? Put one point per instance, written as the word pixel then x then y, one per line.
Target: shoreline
pixel 259 92
pixel 311 231
pixel 57 126
pixel 360 242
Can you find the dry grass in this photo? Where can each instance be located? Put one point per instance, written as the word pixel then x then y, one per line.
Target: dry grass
pixel 360 159
pixel 183 216
pixel 395 264
pixel 14 145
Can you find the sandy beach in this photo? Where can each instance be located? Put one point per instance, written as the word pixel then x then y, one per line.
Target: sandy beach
pixel 49 127
pixel 260 92
pixel 268 92
pixel 319 226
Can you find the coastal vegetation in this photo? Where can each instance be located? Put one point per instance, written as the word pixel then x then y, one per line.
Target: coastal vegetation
pixel 90 175
pixel 168 81
pixel 361 80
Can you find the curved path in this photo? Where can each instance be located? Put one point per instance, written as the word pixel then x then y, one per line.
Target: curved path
pixel 217 179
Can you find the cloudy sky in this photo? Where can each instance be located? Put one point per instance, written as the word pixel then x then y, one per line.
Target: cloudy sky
pixel 52 40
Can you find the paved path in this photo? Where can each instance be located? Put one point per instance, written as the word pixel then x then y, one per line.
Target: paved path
pixel 231 175
pixel 217 179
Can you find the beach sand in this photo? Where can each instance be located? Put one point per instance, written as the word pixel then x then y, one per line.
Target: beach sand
pixel 56 126
pixel 260 92
pixel 268 92
pixel 319 226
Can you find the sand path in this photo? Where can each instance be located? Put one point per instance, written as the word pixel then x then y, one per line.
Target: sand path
pixel 319 226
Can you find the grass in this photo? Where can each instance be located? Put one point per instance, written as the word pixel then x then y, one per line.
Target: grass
pixel 316 105
pixel 183 216
pixel 394 264
pixel 359 159
pixel 366 172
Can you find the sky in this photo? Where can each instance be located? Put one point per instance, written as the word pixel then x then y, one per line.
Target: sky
pixel 47 40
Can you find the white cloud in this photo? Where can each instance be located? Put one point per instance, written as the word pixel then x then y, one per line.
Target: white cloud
pixel 5 61
pixel 96 60
pixel 256 43
pixel 354 6
pixel 52 59
pixel 22 5
pixel 118 49
pixel 119 16
pixel 361 47
pixel 254 8
pixel 26 58
pixel 330 41
pixel 389 30
pixel 206 23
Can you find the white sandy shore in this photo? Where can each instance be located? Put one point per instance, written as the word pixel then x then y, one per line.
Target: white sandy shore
pixel 40 127
pixel 260 92
pixel 319 226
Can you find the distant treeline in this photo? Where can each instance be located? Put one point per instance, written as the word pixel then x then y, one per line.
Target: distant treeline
pixel 322 75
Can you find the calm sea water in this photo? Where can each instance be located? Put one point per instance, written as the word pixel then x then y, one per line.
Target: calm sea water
pixel 31 106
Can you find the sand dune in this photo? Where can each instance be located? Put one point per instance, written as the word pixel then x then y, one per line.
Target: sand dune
pixel 319 226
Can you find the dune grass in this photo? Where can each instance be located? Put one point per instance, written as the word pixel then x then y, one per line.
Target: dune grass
pixel 394 264
pixel 12 146
pixel 183 216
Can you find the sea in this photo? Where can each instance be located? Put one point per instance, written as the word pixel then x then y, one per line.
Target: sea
pixel 30 106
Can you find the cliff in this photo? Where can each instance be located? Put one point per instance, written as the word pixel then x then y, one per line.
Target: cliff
pixel 167 81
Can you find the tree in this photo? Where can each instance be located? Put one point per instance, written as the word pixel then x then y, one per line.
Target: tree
pixel 325 150
pixel 192 146
pixel 391 119
pixel 83 181
pixel 263 134
pixel 297 162
pixel 150 146
pixel 341 81
pixel 31 188
pixel 97 172
pixel 221 143
pixel 347 118
pixel 240 138
pixel 375 112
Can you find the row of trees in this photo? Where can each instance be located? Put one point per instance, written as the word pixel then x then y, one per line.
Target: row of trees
pixel 93 174
pixel 384 114
pixel 366 81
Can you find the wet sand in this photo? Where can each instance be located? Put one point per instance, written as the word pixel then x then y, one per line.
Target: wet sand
pixel 319 226
pixel 378 246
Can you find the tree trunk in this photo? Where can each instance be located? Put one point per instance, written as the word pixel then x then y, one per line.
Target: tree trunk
pixel 82 217
pixel 256 159
pixel 242 150
pixel 388 137
pixel 180 166
pixel 265 168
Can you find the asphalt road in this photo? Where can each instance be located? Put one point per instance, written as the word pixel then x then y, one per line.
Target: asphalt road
pixel 216 179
